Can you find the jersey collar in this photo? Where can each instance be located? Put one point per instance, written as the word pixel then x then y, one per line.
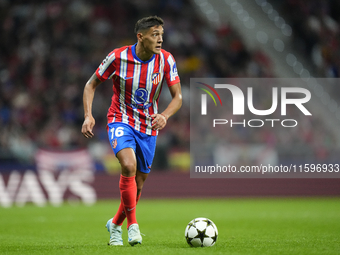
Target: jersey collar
pixel 133 49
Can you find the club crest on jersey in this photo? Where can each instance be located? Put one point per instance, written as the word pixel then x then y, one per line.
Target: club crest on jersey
pixel 156 78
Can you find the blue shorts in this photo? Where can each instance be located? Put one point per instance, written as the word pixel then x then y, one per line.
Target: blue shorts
pixel 123 136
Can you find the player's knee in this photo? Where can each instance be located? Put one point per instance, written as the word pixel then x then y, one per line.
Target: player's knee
pixel 128 168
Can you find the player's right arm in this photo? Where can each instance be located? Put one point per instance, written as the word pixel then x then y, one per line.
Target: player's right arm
pixel 88 96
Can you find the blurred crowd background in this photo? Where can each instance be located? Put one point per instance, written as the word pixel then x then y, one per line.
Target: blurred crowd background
pixel 49 49
pixel 316 31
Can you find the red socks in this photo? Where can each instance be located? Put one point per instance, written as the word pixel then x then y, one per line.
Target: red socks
pixel 138 197
pixel 127 207
pixel 120 216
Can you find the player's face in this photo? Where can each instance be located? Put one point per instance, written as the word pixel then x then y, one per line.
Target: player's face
pixel 153 39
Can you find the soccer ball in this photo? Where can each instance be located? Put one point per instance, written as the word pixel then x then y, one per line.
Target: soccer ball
pixel 201 232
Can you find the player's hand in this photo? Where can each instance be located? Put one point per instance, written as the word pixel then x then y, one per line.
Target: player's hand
pixel 159 121
pixel 87 127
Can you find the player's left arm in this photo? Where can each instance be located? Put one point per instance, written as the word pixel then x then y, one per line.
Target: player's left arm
pixel 160 119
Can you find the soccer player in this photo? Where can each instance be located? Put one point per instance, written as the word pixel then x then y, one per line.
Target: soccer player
pixel 137 72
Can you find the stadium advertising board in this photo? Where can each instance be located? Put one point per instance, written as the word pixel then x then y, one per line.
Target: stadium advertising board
pixel 58 176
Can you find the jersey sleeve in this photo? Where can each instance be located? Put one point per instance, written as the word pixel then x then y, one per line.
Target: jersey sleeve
pixel 107 68
pixel 170 68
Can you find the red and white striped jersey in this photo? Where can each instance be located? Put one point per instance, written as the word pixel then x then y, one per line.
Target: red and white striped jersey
pixel 137 85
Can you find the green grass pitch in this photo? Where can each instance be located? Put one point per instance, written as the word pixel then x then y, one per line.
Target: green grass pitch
pixel 246 226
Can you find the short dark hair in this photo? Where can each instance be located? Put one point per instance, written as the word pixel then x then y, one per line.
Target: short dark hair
pixel 147 22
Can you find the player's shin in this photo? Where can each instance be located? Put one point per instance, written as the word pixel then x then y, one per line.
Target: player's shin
pixel 128 191
pixel 120 216
pixel 138 196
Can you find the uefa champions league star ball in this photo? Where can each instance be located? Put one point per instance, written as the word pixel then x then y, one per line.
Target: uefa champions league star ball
pixel 201 232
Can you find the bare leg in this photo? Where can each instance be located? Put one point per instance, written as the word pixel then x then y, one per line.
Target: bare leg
pixel 140 179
